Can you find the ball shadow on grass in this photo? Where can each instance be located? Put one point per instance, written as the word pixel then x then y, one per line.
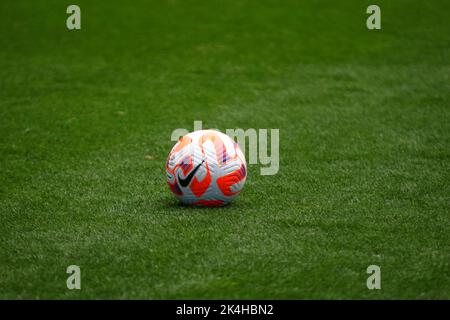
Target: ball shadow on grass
pixel 172 205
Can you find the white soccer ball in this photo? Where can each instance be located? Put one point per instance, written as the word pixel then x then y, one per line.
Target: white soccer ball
pixel 206 168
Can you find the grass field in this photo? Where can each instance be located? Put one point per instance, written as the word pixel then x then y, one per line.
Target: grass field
pixel 364 119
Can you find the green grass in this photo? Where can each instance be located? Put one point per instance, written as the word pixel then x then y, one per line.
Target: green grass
pixel 364 121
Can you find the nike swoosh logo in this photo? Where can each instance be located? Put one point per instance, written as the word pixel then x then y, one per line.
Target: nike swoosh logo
pixel 185 182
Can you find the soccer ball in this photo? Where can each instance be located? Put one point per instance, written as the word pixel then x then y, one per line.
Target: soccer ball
pixel 206 168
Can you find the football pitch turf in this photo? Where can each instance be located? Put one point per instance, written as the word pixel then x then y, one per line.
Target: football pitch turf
pixel 85 123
